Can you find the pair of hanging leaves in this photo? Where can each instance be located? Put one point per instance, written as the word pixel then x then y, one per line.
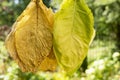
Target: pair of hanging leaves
pixel 30 41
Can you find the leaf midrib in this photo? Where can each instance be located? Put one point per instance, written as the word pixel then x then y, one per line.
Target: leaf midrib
pixel 73 22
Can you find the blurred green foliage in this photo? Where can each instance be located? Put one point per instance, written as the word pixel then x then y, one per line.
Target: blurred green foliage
pixel 107 17
pixel 9 10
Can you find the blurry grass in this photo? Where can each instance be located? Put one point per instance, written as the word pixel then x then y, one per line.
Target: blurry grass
pixel 3 52
pixel 100 49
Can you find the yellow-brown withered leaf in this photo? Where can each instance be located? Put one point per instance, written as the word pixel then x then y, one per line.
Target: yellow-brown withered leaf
pixel 30 41
pixel 49 63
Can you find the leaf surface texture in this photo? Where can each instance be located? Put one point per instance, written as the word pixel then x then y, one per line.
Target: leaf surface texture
pixel 73 32
pixel 30 41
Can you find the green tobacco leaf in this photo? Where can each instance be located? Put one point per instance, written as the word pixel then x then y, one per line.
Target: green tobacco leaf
pixel 73 33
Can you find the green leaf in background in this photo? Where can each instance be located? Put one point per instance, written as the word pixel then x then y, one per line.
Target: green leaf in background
pixel 73 33
pixel 103 2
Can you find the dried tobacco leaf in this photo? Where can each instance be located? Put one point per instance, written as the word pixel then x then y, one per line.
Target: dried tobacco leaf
pixel 73 32
pixel 30 41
